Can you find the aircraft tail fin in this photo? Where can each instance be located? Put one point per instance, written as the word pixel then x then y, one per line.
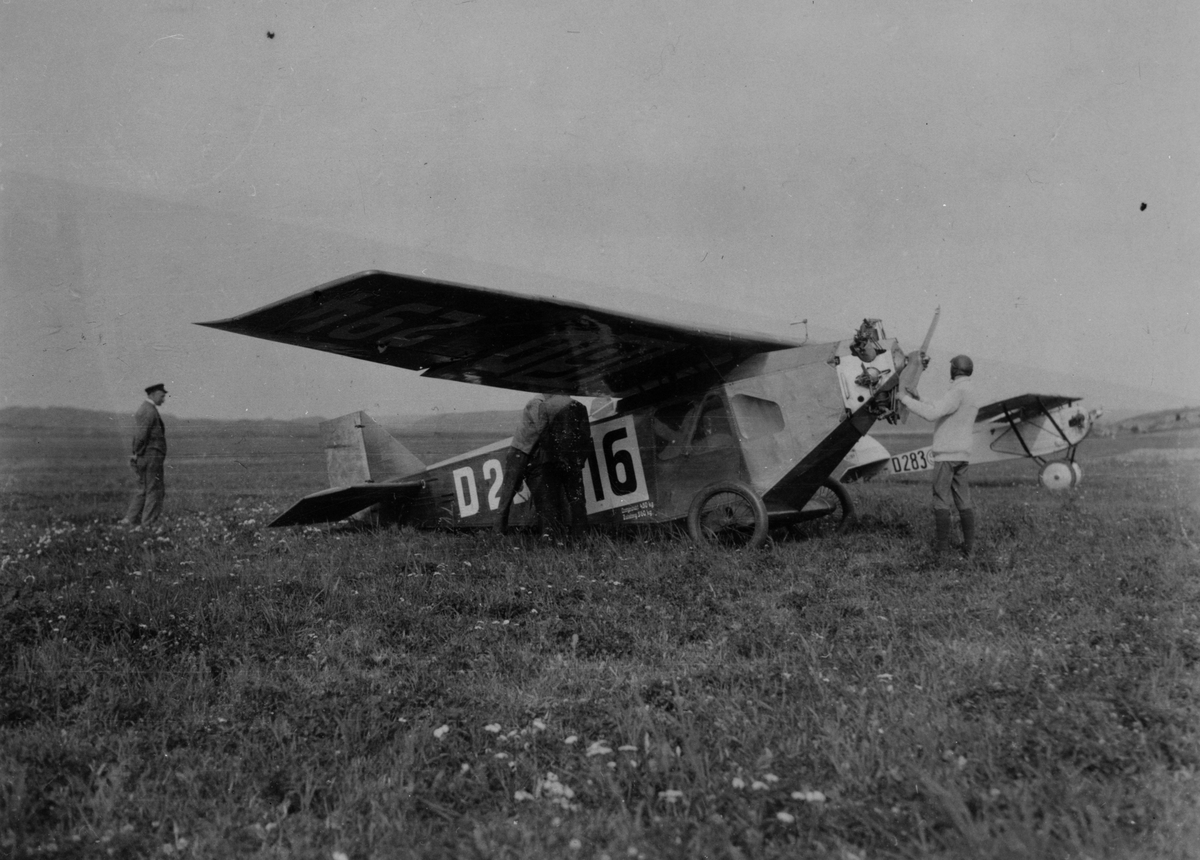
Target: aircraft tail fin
pixel 359 451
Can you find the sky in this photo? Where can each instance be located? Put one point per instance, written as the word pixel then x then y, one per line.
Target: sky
pixel 1031 168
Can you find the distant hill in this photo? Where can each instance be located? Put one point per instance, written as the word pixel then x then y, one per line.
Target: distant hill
pixel 62 416
pixel 1124 407
pixel 498 423
pixel 1154 422
pixel 472 427
pixel 95 421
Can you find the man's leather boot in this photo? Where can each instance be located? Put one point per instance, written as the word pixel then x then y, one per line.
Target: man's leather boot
pixel 514 474
pixel 941 532
pixel 968 527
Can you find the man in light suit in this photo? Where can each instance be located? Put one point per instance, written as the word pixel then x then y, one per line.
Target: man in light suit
pixel 954 416
pixel 146 459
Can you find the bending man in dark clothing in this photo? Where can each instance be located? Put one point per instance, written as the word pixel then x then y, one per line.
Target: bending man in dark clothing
pixel 548 453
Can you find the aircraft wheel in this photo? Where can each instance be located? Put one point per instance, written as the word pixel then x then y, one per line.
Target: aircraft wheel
pixel 1078 471
pixel 829 511
pixel 1057 476
pixel 728 513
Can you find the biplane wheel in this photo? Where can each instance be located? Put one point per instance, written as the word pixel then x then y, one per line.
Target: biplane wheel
pixel 1078 470
pixel 728 513
pixel 1057 476
pixel 829 511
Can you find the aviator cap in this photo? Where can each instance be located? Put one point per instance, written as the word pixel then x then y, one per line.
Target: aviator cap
pixel 158 386
pixel 963 365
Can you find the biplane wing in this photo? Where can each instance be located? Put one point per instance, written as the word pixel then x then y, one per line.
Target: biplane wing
pixel 1023 407
pixel 489 337
pixel 331 505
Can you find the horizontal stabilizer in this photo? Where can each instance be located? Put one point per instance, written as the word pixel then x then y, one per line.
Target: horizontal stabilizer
pixel 329 506
pixel 866 460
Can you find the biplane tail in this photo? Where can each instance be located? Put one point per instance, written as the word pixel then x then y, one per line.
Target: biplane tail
pixel 867 459
pixel 368 469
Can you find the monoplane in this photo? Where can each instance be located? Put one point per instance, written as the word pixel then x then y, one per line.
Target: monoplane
pixel 1037 427
pixel 732 434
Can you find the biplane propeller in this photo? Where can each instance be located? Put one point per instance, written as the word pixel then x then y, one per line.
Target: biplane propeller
pixel 732 434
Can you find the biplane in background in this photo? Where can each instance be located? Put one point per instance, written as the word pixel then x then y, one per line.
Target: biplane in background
pixel 733 434
pixel 1033 426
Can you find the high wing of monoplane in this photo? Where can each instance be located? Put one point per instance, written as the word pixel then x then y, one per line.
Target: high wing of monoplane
pixel 488 337
pixel 1032 426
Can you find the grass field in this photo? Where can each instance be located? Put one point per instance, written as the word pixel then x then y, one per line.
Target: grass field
pixel 215 689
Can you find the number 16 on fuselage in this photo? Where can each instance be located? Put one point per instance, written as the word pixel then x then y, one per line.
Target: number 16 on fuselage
pixel 613 478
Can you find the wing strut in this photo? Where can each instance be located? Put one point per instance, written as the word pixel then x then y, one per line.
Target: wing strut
pixel 1017 432
pixel 1062 435
pixel 1041 461
pixel 798 485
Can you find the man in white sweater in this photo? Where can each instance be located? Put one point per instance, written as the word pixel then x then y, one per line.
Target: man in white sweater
pixel 954 422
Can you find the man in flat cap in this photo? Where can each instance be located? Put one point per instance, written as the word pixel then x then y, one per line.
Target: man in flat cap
pixel 954 423
pixel 146 459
